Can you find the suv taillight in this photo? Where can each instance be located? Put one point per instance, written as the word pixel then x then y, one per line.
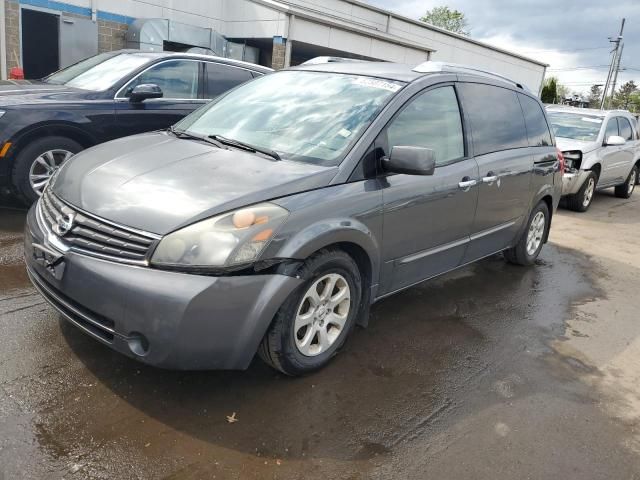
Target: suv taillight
pixel 561 161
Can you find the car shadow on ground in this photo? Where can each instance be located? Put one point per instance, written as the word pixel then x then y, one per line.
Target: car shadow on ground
pixel 393 381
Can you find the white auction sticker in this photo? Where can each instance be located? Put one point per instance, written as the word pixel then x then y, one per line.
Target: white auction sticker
pixel 591 119
pixel 377 83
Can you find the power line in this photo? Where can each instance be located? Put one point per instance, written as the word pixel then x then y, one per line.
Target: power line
pixel 567 50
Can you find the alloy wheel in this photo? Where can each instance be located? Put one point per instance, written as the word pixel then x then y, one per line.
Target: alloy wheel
pixel 588 192
pixel 632 184
pixel 535 233
pixel 44 166
pixel 322 314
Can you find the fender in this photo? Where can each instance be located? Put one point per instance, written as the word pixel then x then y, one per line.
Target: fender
pixel 327 232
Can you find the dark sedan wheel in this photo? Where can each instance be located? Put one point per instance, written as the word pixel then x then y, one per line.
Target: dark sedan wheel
pixel 38 161
pixel 528 248
pixel 626 189
pixel 316 319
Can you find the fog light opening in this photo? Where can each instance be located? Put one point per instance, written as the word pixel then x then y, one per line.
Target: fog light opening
pixel 138 344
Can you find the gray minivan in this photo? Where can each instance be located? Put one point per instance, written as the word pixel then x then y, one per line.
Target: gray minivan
pixel 270 220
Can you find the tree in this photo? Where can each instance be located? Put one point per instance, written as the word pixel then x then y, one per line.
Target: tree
pixel 595 96
pixel 444 17
pixel 623 97
pixel 550 90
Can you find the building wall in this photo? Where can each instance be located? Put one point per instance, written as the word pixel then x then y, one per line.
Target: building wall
pixel 12 32
pixel 344 25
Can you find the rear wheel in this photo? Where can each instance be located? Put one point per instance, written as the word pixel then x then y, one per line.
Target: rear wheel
pixel 626 189
pixel 38 161
pixel 316 319
pixel 581 201
pixel 532 239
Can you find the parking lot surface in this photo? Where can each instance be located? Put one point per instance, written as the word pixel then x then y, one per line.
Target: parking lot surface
pixel 493 371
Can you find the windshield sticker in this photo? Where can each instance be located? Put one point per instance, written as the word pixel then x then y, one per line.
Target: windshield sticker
pixel 592 120
pixel 377 83
pixel 344 133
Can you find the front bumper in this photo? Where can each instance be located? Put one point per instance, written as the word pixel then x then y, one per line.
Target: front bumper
pixel 166 319
pixel 572 181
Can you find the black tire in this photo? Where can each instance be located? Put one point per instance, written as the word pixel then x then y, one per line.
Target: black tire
pixel 518 254
pixel 638 174
pixel 278 348
pixel 578 202
pixel 626 189
pixel 27 157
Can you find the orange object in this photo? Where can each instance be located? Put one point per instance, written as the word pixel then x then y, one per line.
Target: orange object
pixel 263 236
pixel 5 149
pixel 16 73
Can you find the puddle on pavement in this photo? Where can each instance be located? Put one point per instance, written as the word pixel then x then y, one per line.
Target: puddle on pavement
pixel 399 381
pixel 396 381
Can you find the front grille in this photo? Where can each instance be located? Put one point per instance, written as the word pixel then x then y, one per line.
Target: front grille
pixel 92 235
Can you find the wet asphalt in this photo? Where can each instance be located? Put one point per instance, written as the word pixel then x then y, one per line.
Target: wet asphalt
pixel 460 377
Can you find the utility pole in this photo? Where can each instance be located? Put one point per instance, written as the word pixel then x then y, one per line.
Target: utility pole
pixel 614 68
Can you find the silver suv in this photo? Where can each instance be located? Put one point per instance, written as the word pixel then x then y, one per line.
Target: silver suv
pixel 601 150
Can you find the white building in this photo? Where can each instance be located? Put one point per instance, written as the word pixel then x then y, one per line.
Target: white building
pixel 277 33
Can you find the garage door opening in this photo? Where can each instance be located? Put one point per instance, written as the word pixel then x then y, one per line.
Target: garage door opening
pixel 40 40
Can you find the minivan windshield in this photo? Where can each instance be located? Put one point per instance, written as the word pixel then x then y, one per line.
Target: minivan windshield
pixel 303 116
pixel 99 72
pixel 575 125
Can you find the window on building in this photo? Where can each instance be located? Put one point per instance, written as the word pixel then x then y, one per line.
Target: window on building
pixel 221 78
pixel 176 78
pixel 537 127
pixel 432 120
pixel 496 118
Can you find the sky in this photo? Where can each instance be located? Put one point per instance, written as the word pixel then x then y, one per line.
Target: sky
pixel 570 35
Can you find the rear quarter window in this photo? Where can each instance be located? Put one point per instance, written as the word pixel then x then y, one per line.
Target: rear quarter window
pixel 495 116
pixel 537 127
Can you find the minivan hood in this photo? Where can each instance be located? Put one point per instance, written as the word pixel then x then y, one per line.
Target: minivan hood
pixel 566 144
pixel 157 183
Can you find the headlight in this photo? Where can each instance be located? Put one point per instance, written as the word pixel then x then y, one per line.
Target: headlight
pixel 573 159
pixel 2 112
pixel 227 240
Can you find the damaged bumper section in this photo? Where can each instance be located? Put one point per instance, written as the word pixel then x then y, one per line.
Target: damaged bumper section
pixel 163 318
pixel 572 180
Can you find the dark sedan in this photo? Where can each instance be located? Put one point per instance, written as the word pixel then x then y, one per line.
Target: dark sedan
pixel 110 95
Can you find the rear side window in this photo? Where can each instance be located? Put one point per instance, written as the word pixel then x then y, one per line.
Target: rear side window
pixel 625 128
pixel 221 78
pixel 612 128
pixel 430 120
pixel 495 116
pixel 536 123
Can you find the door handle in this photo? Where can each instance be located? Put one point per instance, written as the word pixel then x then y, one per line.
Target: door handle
pixel 467 184
pixel 489 179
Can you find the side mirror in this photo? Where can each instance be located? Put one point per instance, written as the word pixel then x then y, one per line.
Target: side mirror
pixel 410 160
pixel 615 140
pixel 142 92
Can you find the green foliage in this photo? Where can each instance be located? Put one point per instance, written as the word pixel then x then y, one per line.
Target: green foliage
pixel 550 90
pixel 595 96
pixel 625 96
pixel 444 17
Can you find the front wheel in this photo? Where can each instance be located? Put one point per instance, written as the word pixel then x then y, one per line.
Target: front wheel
pixel 314 322
pixel 581 201
pixel 626 189
pixel 38 161
pixel 526 251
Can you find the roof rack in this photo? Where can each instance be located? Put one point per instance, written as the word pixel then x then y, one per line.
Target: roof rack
pixel 439 67
pixel 321 60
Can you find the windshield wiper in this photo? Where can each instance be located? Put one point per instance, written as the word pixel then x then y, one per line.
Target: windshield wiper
pixel 191 136
pixel 246 146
